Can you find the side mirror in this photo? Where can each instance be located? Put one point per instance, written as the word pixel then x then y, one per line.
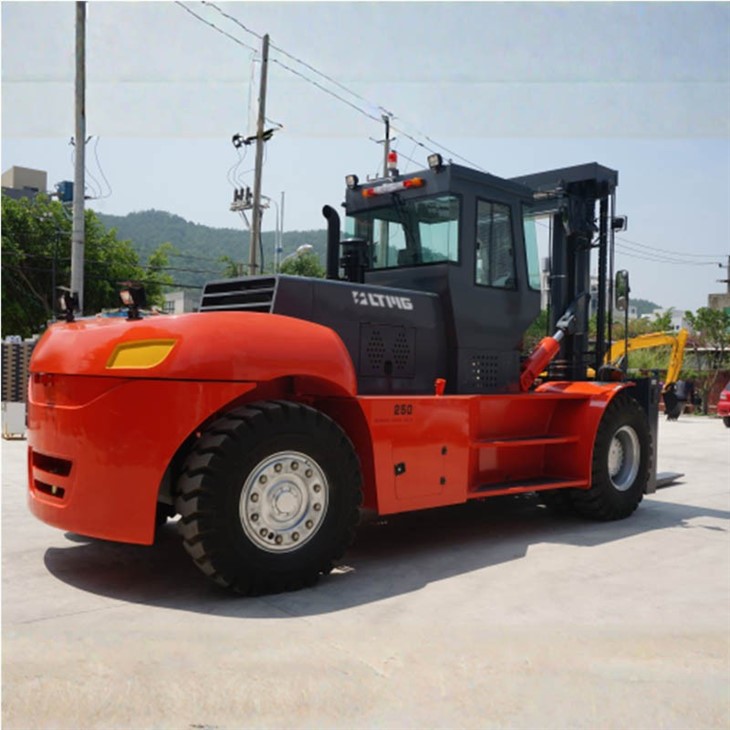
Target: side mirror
pixel 622 290
pixel 619 223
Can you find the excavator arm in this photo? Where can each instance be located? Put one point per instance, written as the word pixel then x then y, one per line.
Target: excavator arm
pixel 654 339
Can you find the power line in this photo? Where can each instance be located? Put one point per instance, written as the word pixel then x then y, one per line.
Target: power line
pixel 632 253
pixel 177 254
pixel 109 279
pixel 101 171
pixel 105 262
pixel 233 175
pixel 405 157
pixel 216 28
pixel 275 60
pixel 667 251
pixel 309 80
pixel 298 60
pixel 325 89
pixel 668 258
pixel 440 146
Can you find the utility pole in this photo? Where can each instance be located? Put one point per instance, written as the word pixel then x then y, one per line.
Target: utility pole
pixel 256 213
pixel 281 221
pixel 384 224
pixel 77 232
pixel 280 235
pixel 386 144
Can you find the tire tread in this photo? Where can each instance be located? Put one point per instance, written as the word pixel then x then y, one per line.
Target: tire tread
pixel 600 501
pixel 196 488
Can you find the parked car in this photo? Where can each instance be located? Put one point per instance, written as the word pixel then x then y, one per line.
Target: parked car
pixel 723 405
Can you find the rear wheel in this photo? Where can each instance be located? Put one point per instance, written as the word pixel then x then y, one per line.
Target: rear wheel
pixel 726 421
pixel 269 497
pixel 621 458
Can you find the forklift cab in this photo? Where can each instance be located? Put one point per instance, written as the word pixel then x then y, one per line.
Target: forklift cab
pixel 464 235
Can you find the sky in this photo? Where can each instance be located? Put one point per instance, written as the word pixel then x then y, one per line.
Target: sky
pixel 512 88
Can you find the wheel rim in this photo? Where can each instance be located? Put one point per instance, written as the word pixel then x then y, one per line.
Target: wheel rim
pixel 624 455
pixel 284 502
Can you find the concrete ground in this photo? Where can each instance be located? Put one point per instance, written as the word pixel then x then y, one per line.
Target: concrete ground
pixel 493 615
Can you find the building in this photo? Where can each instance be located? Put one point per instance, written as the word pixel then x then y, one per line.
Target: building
pixel 721 301
pixel 178 302
pixel 24 182
pixel 618 315
pixel 592 305
pixel 678 319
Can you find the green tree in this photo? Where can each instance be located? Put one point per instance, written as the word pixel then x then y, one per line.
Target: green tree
pixel 710 342
pixel 636 327
pixel 656 358
pixel 36 258
pixel 155 279
pixel 663 322
pixel 535 332
pixel 306 264
pixel 231 267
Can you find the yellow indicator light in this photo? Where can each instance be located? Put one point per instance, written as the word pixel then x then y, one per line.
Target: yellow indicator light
pixel 140 355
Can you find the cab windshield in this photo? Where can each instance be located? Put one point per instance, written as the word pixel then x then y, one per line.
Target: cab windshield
pixel 410 232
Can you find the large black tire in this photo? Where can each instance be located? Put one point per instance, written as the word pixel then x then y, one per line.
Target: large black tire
pixel 269 498
pixel 621 459
pixel 726 421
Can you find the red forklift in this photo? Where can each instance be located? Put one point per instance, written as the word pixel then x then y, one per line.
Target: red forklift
pixel 270 417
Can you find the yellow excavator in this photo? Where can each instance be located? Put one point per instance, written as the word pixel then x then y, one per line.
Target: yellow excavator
pixel 676 341
pixel 653 339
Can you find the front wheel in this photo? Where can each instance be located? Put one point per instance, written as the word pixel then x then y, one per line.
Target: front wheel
pixel 269 497
pixel 621 459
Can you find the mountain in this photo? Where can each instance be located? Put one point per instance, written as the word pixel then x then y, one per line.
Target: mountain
pixel 644 306
pixel 199 248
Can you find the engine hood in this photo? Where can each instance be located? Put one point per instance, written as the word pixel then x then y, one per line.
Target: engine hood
pixel 223 346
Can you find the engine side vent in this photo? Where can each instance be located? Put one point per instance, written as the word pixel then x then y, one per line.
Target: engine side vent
pixel 484 373
pixel 375 351
pixel 488 371
pixel 249 294
pixel 387 350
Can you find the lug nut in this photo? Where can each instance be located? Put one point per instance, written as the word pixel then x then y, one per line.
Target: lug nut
pixel 263 532
pixel 254 497
pixel 278 539
pixel 309 524
pixel 295 536
pixel 277 468
pixel 294 465
pixel 263 479
pixel 308 473
pixel 254 517
pixel 316 488
pixel 317 507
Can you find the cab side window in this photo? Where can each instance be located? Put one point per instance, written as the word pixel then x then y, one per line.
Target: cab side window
pixel 495 256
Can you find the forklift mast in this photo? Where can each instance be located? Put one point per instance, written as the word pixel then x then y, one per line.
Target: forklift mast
pixel 570 196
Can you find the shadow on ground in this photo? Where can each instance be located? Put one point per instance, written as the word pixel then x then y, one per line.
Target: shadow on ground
pixel 390 558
